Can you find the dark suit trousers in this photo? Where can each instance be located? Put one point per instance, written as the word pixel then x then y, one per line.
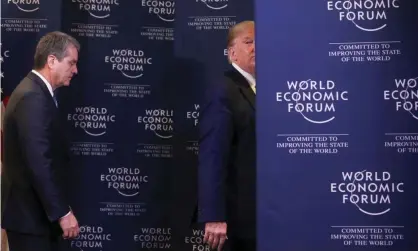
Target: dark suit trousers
pixel 239 244
pixel 28 242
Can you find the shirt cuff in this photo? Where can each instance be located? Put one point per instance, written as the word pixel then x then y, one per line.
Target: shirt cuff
pixel 66 214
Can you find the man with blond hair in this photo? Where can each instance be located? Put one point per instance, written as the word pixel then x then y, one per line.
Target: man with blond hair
pixel 227 150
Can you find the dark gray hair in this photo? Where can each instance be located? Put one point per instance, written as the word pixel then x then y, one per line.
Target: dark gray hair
pixel 54 43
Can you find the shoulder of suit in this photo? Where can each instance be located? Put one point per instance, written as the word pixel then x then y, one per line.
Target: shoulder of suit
pixel 26 87
pixel 236 77
pixel 30 85
pixel 232 74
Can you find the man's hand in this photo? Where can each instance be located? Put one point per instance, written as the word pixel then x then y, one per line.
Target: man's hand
pixel 215 234
pixel 69 226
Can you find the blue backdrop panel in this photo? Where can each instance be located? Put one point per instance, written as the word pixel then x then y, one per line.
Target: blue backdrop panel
pixel 22 24
pixel 337 117
pixel 121 127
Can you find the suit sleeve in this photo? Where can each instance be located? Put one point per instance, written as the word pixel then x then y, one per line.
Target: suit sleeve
pixel 215 139
pixel 34 123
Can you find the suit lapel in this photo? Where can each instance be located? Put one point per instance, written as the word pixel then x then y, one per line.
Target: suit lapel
pixel 249 95
pixel 243 85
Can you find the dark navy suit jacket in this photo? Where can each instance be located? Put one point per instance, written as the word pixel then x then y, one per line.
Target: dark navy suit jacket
pixel 35 159
pixel 227 157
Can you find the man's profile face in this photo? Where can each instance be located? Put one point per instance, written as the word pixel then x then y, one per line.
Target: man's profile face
pixel 65 69
pixel 243 50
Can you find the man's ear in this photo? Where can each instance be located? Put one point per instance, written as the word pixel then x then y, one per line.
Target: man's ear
pixel 231 54
pixel 51 60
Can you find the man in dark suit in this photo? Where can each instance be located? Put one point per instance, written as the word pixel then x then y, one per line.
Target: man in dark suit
pixel 227 150
pixel 34 208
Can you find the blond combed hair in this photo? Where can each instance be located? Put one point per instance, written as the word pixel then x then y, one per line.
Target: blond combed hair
pixel 234 32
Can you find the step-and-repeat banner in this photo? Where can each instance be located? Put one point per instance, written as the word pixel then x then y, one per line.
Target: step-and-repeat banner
pixel 132 112
pixel 337 125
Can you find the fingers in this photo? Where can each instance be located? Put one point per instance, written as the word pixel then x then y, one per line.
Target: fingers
pixel 215 235
pixel 66 234
pixel 70 228
pixel 71 233
pixel 215 241
pixel 221 242
pixel 206 237
pixel 74 231
pixel 211 240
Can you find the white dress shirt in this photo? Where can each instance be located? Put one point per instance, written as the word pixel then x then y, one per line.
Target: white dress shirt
pixel 45 81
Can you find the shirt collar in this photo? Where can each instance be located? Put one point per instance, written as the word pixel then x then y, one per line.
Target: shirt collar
pixel 249 77
pixel 45 81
